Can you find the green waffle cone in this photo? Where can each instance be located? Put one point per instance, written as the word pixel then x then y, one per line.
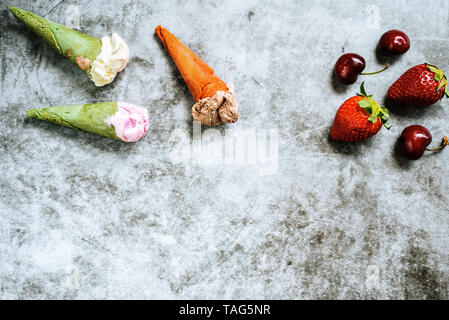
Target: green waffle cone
pixel 88 117
pixel 71 44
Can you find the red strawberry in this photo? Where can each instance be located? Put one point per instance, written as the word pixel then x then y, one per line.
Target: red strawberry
pixel 419 86
pixel 358 118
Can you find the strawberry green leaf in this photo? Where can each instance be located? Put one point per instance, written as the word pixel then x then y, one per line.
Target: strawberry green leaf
pixel 385 118
pixel 433 68
pixel 364 104
pixel 362 89
pixel 372 118
pixel 369 109
pixel 439 77
pixel 376 109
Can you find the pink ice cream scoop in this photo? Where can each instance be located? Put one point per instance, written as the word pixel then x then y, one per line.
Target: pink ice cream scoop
pixel 130 122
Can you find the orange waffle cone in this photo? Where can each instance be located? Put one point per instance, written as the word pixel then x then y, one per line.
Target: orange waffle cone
pixel 199 77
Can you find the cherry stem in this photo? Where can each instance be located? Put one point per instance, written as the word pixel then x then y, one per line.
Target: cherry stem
pixel 444 143
pixel 371 73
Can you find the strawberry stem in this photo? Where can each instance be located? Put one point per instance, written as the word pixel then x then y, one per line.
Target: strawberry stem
pixel 371 73
pixel 444 143
pixel 373 108
pixel 440 78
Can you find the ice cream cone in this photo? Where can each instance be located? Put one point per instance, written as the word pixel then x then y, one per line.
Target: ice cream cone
pixel 199 77
pixel 117 120
pixel 99 59
pixel 78 47
pixel 216 100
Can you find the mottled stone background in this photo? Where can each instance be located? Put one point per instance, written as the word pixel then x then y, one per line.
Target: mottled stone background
pixel 87 217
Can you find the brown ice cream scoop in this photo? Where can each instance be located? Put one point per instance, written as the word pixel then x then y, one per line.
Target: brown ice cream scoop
pixel 221 107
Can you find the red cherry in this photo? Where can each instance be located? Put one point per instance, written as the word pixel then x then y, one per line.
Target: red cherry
pixel 414 141
pixel 349 66
pixel 394 43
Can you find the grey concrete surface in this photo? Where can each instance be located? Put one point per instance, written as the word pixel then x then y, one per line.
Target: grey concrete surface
pixel 86 217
